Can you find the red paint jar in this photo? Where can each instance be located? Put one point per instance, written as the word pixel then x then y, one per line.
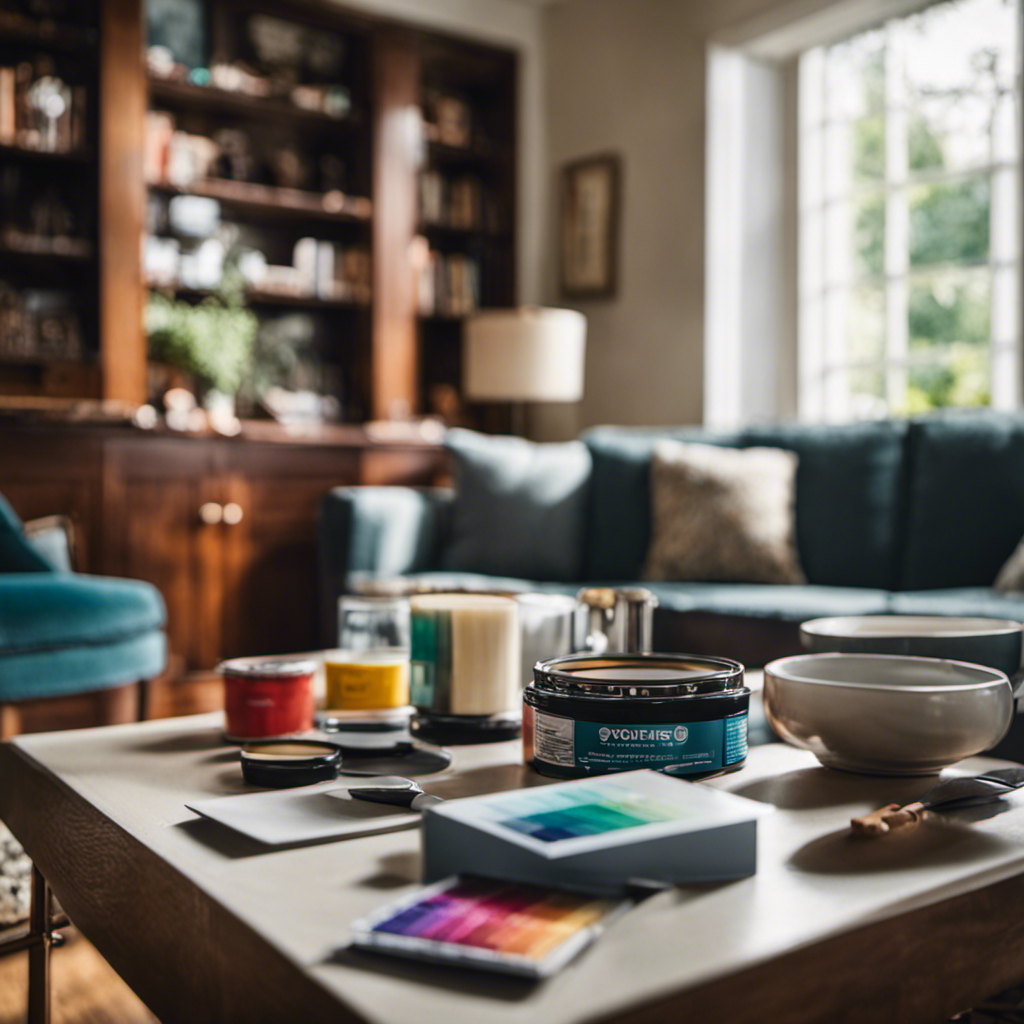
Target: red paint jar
pixel 267 697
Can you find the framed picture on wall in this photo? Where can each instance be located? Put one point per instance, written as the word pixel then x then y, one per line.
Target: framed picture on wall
pixel 589 226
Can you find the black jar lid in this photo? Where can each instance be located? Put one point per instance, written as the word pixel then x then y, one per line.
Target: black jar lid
pixel 288 762
pixel 643 676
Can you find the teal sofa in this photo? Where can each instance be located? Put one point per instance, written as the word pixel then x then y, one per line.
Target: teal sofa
pixel 910 517
pixel 63 633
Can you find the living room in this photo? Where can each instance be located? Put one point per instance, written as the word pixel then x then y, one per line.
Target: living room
pixel 481 395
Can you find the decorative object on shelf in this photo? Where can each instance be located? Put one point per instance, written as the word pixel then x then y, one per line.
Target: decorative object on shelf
pixel 448 119
pixel 212 340
pixel 529 354
pixel 589 227
pixel 178 29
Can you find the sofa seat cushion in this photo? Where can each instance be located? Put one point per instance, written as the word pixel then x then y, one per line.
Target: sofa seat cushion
pixel 982 602
pixel 80 668
pixel 47 611
pixel 770 600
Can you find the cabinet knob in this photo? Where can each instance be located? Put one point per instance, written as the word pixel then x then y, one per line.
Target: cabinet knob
pixel 233 513
pixel 211 513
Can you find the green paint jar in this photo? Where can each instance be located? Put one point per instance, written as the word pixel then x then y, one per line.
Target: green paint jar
pixel 683 715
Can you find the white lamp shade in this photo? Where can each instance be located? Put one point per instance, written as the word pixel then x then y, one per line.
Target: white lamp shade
pixel 524 355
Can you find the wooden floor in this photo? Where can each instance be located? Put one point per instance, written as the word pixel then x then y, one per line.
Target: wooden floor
pixel 85 988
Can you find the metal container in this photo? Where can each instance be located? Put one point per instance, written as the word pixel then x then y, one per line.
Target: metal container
pixel 616 620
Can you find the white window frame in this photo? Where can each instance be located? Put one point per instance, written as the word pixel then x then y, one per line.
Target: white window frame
pixel 759 353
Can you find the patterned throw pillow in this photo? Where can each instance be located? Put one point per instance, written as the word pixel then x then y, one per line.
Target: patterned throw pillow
pixel 723 514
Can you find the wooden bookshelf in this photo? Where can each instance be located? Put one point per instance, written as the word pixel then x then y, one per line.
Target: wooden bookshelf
pixel 387 352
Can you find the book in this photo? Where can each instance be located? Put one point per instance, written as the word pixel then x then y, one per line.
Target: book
pixel 596 835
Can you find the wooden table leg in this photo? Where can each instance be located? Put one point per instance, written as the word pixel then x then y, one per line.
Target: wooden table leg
pixel 39 952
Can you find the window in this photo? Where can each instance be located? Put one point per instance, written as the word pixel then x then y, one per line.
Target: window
pixel 909 233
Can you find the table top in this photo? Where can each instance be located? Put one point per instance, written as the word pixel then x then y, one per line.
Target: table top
pixel 813 880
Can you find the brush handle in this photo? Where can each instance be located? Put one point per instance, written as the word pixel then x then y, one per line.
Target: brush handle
pixel 425 800
pixel 887 819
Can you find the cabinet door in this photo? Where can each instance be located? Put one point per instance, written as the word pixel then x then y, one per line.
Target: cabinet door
pixel 270 584
pixel 155 497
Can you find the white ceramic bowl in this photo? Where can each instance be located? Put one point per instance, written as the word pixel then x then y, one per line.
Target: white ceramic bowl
pixel 887 714
pixel 992 642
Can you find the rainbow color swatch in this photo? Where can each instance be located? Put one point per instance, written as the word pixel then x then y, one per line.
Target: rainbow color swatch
pixel 556 815
pixel 500 918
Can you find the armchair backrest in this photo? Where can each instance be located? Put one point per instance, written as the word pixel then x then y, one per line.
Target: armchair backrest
pixel 16 554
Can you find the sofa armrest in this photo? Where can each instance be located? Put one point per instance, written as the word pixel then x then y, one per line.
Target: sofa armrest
pixel 376 531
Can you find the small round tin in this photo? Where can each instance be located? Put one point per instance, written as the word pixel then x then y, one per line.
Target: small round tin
pixel 591 714
pixel 266 697
pixel 281 763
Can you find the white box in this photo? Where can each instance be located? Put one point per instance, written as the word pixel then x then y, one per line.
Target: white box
pixel 596 835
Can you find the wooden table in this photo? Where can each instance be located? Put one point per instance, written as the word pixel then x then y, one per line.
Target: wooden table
pixel 208 926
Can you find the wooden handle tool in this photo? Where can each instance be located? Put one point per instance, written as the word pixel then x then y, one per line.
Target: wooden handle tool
pixel 887 819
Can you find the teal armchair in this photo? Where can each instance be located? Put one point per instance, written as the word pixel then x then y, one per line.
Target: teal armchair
pixel 70 636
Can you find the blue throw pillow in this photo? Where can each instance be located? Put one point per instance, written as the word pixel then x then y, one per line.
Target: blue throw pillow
pixel 520 508
pixel 16 554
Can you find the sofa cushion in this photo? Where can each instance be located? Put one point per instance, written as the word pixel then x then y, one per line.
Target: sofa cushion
pixel 16 554
pixel 966 499
pixel 849 499
pixel 519 508
pixel 43 612
pixel 32 674
pixel 982 602
pixel 770 600
pixel 619 530
pixel 722 514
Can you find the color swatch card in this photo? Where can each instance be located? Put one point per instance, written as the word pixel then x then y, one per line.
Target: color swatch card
pixel 598 834
pixel 478 922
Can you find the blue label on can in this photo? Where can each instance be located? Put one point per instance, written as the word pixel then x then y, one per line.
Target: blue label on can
pixel 676 749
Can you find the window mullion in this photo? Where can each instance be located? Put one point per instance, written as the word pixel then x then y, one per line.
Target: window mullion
pixel 897 216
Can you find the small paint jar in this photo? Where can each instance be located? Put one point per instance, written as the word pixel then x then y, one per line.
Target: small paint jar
pixel 591 714
pixel 280 763
pixel 266 697
pixel 367 680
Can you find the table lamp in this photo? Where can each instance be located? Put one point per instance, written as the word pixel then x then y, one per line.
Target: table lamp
pixel 528 354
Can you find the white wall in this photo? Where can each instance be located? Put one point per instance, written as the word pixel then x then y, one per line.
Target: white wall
pixel 630 77
pixel 518 26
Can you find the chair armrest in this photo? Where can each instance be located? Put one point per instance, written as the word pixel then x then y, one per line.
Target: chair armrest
pixel 376 531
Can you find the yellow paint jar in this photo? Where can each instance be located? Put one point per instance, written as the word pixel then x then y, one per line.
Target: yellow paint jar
pixel 367 680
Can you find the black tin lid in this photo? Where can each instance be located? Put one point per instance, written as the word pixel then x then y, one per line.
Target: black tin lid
pixel 287 762
pixel 633 676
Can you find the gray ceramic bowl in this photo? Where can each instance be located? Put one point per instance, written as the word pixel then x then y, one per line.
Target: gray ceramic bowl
pixel 992 642
pixel 886 714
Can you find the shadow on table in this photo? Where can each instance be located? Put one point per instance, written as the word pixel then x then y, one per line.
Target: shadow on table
pixel 935 841
pixel 808 788
pixel 210 738
pixel 455 979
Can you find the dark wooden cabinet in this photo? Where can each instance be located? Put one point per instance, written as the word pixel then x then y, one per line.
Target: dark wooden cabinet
pixel 225 529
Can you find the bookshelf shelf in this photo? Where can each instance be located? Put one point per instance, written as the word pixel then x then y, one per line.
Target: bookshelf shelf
pixel 268 202
pixel 26 153
pixel 269 299
pixel 18 29
pixel 184 95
